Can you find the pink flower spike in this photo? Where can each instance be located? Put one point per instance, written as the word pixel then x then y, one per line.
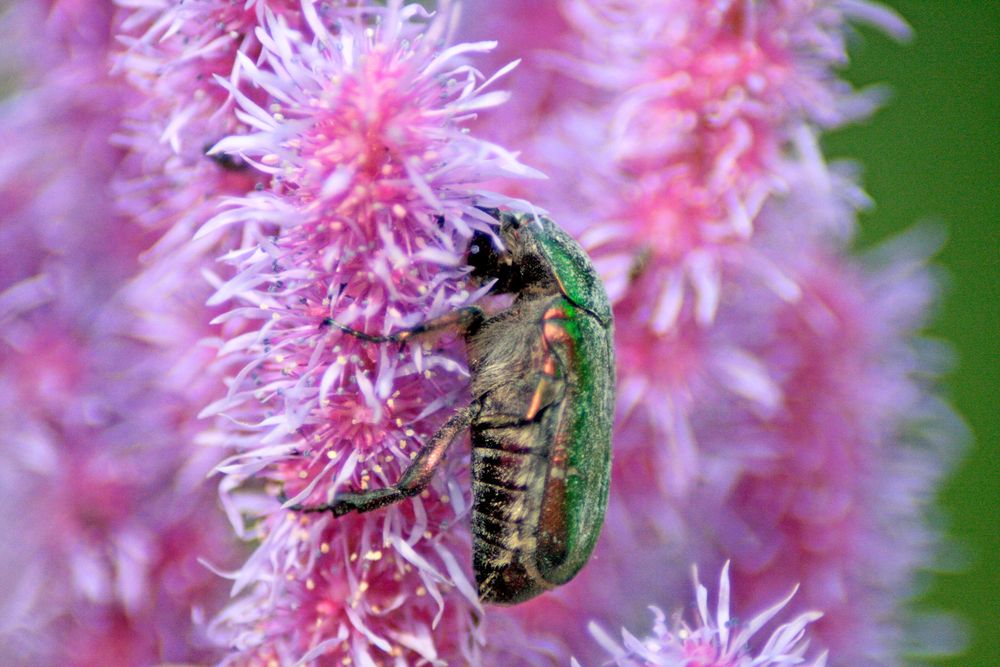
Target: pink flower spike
pixel 710 642
pixel 357 118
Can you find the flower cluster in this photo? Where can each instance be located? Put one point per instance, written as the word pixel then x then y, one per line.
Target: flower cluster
pixel 767 379
pixel 372 197
pixel 718 640
pixel 206 202
pixel 100 477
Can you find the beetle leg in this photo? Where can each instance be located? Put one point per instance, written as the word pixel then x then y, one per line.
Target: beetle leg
pixel 551 385
pixel 414 479
pixel 464 319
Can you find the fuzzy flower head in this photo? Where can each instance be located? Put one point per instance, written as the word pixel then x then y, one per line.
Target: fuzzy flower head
pixel 717 640
pixel 372 197
pixel 698 103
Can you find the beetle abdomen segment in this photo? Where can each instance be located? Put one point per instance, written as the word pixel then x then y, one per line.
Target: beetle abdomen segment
pixel 501 574
pixel 504 516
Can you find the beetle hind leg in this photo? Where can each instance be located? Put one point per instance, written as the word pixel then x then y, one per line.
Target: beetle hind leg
pixel 415 478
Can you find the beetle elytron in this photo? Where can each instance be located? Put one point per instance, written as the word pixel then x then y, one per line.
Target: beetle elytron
pixel 543 400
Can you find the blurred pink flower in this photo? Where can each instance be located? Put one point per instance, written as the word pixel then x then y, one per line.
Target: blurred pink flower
pixel 692 172
pixel 100 482
pixel 716 640
pixel 690 109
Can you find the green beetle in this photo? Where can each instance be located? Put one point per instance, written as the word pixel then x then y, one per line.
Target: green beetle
pixel 543 379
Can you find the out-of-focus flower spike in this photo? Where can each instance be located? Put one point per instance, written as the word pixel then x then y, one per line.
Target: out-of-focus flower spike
pixel 708 642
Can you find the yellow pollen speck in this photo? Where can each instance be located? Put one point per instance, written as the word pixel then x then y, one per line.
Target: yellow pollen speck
pixel 428 374
pixel 273 663
pixel 427 535
pixel 399 422
pixel 341 360
pixel 388 459
pixel 310 584
pixel 354 557
pixel 347 660
pixel 398 210
pixel 413 455
pixel 264 306
pixel 303 474
pixel 275 317
pixel 303 535
pixel 270 159
pixel 425 494
pixel 279 358
pixel 377 468
pixel 373 555
pixel 330 454
pixel 290 577
pixel 409 433
pixel 324 547
pixel 363 586
pixel 445 499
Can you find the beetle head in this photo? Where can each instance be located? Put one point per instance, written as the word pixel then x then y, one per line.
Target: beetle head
pixel 518 265
pixel 489 262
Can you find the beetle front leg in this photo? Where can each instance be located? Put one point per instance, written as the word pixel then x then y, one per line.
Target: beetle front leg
pixel 415 478
pixel 465 319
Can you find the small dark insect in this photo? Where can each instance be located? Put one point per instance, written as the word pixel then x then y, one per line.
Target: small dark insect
pixel 226 161
pixel 543 384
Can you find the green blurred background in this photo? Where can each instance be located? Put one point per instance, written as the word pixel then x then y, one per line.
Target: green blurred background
pixel 932 154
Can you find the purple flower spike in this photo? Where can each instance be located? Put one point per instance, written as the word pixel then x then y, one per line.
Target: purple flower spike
pixel 357 120
pixel 717 640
